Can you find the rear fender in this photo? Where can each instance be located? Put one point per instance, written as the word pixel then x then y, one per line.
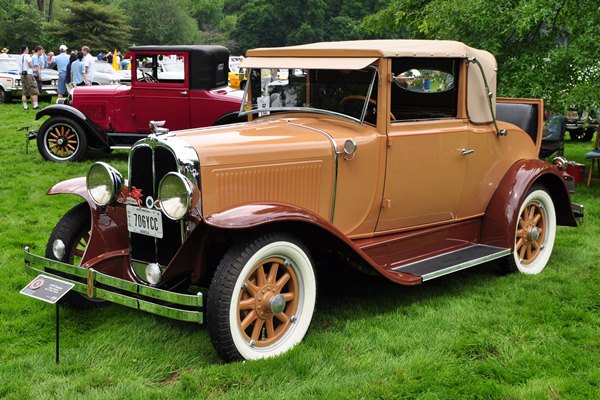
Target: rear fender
pixel 109 232
pixel 502 212
pixel 271 215
pixel 98 137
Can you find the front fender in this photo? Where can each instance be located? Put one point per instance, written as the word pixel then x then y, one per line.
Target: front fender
pixel 62 110
pixel 109 225
pixel 261 215
pixel 502 212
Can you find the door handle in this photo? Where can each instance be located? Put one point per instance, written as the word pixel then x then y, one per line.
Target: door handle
pixel 466 152
pixel 184 92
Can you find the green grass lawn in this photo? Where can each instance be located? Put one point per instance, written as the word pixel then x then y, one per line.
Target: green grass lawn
pixel 474 334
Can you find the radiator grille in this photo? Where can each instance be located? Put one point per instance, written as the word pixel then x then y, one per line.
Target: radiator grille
pixel 147 168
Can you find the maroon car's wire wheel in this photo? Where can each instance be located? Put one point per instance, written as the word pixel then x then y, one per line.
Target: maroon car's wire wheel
pixel 531 232
pixel 268 302
pixel 62 141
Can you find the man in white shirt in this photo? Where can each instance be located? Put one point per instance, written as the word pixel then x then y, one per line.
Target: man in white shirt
pixel 29 86
pixel 4 53
pixel 90 65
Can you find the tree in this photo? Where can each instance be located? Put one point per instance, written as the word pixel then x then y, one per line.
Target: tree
pixel 101 27
pixel 161 21
pixel 544 48
pixel 16 27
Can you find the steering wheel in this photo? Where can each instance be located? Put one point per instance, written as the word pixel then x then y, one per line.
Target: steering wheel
pixel 359 101
pixel 146 77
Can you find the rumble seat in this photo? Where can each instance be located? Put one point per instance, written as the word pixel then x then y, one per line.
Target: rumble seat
pixel 525 116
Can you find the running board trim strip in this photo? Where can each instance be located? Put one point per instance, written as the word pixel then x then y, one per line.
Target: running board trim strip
pixel 453 261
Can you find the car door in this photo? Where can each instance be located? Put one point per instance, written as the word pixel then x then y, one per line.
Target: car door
pixel 427 146
pixel 157 95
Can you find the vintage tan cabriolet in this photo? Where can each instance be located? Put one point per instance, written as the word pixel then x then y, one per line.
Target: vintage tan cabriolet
pixel 386 153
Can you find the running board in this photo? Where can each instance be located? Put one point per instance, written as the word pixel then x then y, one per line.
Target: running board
pixel 453 261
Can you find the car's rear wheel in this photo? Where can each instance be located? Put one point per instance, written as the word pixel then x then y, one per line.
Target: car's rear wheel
pixel 534 234
pixel 582 135
pixel 261 299
pixel 68 243
pixel 61 139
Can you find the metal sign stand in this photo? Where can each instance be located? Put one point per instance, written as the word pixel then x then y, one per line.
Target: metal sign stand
pixel 57 335
pixel 49 290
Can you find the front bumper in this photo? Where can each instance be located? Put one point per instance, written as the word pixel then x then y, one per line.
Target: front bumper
pixel 94 284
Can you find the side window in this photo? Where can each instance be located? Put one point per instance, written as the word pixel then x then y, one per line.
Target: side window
pixel 424 88
pixel 160 68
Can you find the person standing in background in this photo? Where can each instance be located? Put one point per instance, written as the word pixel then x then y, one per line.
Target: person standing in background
pixel 51 61
pixel 78 75
pixel 38 61
pixel 28 84
pixel 90 65
pixel 4 53
pixel 62 60
pixel 69 82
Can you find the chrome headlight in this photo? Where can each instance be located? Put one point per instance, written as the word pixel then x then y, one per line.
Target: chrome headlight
pixel 175 192
pixel 104 183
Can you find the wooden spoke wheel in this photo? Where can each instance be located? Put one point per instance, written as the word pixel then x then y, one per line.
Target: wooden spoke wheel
pixel 531 232
pixel 534 234
pixel 268 302
pixel 61 139
pixel 261 299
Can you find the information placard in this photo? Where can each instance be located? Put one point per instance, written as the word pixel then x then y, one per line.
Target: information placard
pixel 47 289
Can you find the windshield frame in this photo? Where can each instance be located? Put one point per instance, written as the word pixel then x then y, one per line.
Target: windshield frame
pixel 256 111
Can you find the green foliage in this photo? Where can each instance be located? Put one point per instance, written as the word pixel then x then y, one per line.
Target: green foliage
pixel 101 27
pixel 155 23
pixel 264 23
pixel 20 23
pixel 544 48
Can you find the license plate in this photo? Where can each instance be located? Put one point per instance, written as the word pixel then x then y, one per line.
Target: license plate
pixel 144 221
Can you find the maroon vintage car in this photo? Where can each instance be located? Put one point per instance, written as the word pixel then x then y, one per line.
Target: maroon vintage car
pixel 186 86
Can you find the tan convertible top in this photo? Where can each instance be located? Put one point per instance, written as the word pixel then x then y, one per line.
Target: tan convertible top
pixel 369 48
pixel 357 54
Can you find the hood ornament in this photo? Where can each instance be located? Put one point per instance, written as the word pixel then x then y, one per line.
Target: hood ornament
pixel 135 196
pixel 157 130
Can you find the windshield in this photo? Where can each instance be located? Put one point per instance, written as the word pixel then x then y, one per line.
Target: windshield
pixel 340 92
pixel 9 66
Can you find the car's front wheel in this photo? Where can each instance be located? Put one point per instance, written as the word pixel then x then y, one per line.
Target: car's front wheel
pixel 61 139
pixel 4 98
pixel 261 298
pixel 534 234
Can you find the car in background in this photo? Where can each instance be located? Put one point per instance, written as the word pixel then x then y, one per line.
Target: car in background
pixel 581 125
pixel 191 91
pixel 10 81
pixel 105 74
pixel 237 76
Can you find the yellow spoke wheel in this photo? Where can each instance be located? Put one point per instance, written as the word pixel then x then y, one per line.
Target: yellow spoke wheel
pixel 61 139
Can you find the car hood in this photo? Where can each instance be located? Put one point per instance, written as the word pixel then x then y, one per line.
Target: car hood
pixel 267 140
pixel 103 90
pixel 298 137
